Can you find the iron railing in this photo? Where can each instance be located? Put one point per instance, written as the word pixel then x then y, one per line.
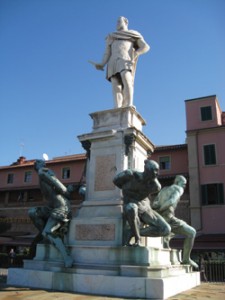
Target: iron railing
pixel 214 271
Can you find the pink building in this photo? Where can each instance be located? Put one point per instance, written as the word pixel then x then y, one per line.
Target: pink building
pixel 202 162
pixel 206 147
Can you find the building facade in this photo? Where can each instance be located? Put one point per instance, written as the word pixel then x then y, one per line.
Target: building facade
pixel 202 162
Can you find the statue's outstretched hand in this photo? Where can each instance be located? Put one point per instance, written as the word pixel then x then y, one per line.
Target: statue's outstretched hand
pixel 97 66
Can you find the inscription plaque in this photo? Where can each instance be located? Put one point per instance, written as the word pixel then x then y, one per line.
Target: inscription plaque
pixel 95 232
pixel 104 172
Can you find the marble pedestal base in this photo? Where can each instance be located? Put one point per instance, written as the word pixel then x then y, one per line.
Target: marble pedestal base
pixel 141 272
pixel 109 285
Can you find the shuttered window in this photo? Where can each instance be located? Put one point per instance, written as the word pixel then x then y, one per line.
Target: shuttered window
pixel 212 194
pixel 206 113
pixel 210 154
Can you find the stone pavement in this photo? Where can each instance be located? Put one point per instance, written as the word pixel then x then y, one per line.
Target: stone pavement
pixel 214 291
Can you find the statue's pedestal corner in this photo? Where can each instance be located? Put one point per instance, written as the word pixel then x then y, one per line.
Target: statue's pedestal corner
pixel 118 118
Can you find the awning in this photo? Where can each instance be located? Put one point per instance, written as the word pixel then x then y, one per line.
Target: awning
pixel 16 239
pixel 203 241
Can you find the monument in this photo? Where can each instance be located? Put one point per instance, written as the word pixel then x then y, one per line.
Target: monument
pixel 115 240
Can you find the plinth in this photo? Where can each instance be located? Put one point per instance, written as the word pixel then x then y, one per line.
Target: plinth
pixel 116 143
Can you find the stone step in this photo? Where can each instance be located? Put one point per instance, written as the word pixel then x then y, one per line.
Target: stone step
pixel 108 269
pixel 109 255
pixel 118 286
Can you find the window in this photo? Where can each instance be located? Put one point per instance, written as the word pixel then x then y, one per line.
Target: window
pixel 66 173
pixel 164 163
pixel 28 176
pixel 212 194
pixel 10 178
pixel 206 113
pixel 209 154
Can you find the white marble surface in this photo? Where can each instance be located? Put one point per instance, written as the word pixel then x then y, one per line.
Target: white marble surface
pixel 130 287
pixel 107 255
pixel 121 118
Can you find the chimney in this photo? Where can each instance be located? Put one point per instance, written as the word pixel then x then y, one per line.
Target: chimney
pixel 21 160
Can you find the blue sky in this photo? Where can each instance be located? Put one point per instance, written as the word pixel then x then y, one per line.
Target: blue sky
pixel 48 88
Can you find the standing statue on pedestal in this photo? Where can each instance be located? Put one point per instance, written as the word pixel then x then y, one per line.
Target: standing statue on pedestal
pixel 52 220
pixel 136 187
pixel 165 204
pixel 122 50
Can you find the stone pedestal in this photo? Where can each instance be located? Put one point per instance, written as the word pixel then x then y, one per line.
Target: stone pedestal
pixel 101 264
pixel 116 143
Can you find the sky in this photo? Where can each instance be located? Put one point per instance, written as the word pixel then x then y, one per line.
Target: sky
pixel 48 88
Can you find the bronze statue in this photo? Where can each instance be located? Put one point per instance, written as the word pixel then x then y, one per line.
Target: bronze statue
pixel 137 187
pixel 165 204
pixel 52 220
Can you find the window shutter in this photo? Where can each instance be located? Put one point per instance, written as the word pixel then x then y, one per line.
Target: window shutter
pixel 220 194
pixel 204 194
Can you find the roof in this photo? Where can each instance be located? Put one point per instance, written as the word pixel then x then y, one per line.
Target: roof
pixel 219 127
pixel 170 147
pixel 69 157
pixel 200 98
pixel 22 162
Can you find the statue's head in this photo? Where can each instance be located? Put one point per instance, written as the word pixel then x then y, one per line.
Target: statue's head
pixel 39 163
pixel 180 180
pixel 151 168
pixel 122 23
